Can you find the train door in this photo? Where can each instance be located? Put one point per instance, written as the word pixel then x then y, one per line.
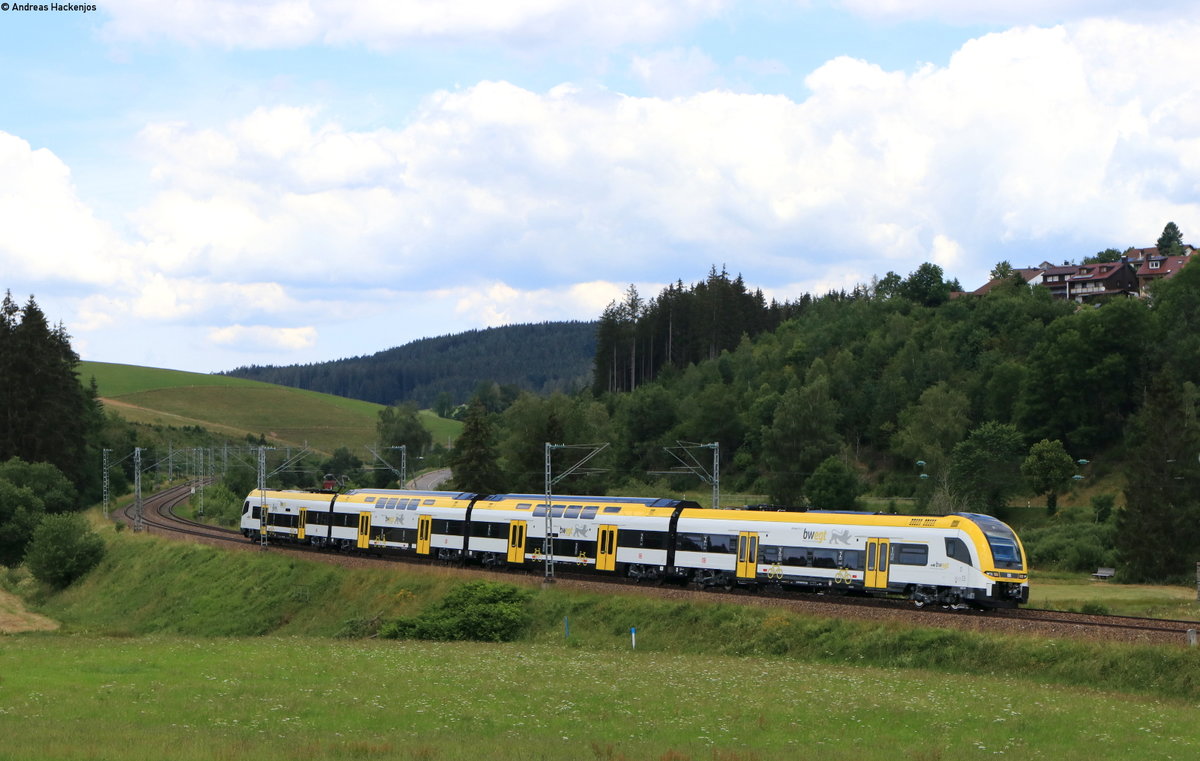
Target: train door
pixel 877 563
pixel 424 532
pixel 606 549
pixel 264 520
pixel 747 557
pixel 300 534
pixel 364 530
pixel 516 541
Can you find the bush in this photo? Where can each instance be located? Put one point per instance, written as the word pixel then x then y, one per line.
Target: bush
pixel 221 505
pixel 63 548
pixel 483 611
pixel 20 512
pixel 1068 546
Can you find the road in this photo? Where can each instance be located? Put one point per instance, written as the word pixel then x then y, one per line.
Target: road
pixel 429 481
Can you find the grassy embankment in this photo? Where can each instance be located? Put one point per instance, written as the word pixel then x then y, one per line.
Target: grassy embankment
pixel 159 658
pixel 237 407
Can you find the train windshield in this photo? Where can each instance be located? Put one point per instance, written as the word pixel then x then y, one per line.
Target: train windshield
pixel 1005 550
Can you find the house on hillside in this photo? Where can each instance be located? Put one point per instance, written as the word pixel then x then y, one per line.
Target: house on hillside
pixel 1137 268
pixel 1090 281
pixel 1158 268
pixel 1056 279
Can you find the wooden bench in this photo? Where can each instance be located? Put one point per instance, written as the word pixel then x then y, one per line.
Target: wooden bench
pixel 1104 574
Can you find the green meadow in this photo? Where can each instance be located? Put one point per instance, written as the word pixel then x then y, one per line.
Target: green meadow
pixel 184 651
pixel 65 697
pixel 1077 592
pixel 237 407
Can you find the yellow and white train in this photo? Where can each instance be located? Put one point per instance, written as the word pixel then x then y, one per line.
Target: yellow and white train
pixel 963 558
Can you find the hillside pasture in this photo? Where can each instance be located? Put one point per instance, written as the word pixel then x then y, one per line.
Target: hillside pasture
pixel 237 408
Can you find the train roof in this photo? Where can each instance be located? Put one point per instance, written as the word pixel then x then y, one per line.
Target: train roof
pixel 565 498
pixel 410 493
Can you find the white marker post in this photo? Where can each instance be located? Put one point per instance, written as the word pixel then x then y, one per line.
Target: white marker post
pixel 633 636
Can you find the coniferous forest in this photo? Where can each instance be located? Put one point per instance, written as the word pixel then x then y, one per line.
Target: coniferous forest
pixel 47 414
pixel 541 358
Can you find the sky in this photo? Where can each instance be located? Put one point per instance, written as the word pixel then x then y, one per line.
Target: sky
pixel 202 185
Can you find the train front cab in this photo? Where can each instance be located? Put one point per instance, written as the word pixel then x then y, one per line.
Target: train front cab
pixel 1003 563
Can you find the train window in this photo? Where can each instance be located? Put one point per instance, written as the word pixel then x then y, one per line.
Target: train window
pixel 653 540
pixel 557 511
pixel 448 527
pixel 824 558
pixel 794 555
pixel 254 514
pixel 852 559
pixel 957 549
pixel 612 509
pixel 573 511
pixel 722 543
pixel 370 499
pixel 690 542
pixel 910 554
pixel 524 506
pixel 246 508
pixel 539 510
pixel 770 554
pixel 589 512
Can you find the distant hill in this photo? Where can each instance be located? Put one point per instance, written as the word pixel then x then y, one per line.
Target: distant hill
pixel 546 357
pixel 237 407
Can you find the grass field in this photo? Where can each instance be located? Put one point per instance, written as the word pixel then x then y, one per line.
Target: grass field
pixel 237 407
pixel 296 698
pixel 156 659
pixel 1067 591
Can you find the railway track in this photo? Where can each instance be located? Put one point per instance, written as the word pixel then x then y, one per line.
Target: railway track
pixel 158 517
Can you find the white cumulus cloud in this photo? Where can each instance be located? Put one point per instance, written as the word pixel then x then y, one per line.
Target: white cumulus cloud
pixel 1025 135
pixel 46 231
pixel 263 338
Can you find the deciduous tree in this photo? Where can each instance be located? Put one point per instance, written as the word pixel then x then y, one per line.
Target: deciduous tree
pixel 1048 470
pixel 985 466
pixel 803 434
pixel 834 485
